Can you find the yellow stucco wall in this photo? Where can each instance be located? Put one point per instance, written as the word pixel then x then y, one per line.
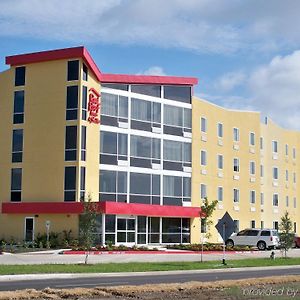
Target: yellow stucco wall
pixel 270 131
pixel 44 144
pixel 212 177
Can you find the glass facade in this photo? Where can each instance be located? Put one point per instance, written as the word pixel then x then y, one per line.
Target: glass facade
pixel 145 154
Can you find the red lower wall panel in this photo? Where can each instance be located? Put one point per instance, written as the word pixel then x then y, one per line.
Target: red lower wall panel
pixel 107 207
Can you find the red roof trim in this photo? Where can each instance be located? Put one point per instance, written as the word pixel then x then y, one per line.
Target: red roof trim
pixel 104 207
pixel 82 52
pixel 76 52
pixel 143 79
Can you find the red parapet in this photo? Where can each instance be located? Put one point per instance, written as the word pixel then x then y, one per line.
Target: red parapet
pixel 82 52
pixel 145 79
pixel 67 53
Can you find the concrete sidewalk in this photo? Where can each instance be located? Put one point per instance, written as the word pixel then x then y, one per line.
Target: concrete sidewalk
pixel 53 258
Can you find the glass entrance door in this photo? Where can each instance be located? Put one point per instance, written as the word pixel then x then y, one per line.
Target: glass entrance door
pixel 126 230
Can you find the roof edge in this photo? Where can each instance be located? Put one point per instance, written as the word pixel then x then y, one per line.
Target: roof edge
pixel 146 79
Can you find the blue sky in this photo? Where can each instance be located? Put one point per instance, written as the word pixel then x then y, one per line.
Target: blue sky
pixel 246 53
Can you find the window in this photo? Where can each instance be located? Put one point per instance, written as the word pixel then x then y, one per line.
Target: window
pixel 70 184
pixel 236 165
pixel 72 102
pixel 203 191
pixel 203 226
pixel 146 89
pixel 178 93
pixel 275 225
pixel 294 177
pixel 236 195
pixel 286 175
pixel 261 143
pixel 177 151
pixel 220 193
pixel 203 124
pixel 18 117
pixel 146 111
pixel 275 199
pixel 252 224
pixel 115 86
pixel 84 72
pixel 20 76
pixel 252 139
pixel 295 227
pixel 294 153
pixel 141 146
pixel 265 233
pixel 115 106
pixel 73 70
pixel 262 200
pixel 176 189
pixel 295 202
pixel 236 134
pixel 262 226
pixel 83 143
pixel 84 103
pixel 287 201
pixel 275 173
pixel 16 185
pixel 252 197
pixel 113 186
pixel 17 145
pixel 203 158
pixel 261 171
pixel 177 116
pixel 275 146
pixel 236 225
pixel 220 130
pixel 82 183
pixel 220 161
pixel 252 168
pixel 113 147
pixel 71 143
pixel 286 149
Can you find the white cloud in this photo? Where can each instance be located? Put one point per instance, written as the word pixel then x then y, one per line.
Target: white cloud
pixel 275 88
pixel 154 70
pixel 229 81
pixel 215 26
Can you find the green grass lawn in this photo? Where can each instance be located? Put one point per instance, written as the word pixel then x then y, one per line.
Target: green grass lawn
pixel 143 267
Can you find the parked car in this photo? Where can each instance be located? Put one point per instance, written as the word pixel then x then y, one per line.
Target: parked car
pixel 260 238
pixel 296 242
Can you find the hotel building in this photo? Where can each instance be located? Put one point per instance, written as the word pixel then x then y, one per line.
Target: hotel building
pixel 142 147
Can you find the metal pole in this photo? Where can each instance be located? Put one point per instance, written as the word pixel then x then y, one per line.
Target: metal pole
pixel 224 246
pixel 202 248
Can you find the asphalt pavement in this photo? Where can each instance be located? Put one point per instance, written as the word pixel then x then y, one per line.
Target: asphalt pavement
pixel 62 281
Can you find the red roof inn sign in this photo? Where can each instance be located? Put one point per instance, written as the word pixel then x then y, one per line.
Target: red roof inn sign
pixel 94 106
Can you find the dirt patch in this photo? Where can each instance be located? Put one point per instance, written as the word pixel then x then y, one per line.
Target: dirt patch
pixel 191 290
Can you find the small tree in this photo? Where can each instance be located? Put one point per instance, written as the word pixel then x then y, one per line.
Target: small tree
pixel 286 234
pixel 87 223
pixel 207 210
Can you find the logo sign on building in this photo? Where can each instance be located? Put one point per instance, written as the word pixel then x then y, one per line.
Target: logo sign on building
pixel 94 106
pixel 225 226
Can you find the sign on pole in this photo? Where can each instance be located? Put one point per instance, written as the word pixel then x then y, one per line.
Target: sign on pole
pixel 225 227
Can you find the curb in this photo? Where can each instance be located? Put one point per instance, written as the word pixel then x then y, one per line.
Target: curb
pixel 150 252
pixel 27 277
